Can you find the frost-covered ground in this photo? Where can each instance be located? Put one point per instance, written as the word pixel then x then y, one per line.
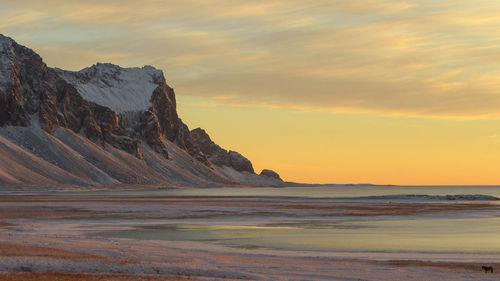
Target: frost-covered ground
pixel 77 236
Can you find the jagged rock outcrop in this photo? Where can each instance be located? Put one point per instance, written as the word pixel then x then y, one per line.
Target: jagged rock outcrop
pixel 164 106
pixel 119 109
pixel 152 111
pixel 151 132
pixel 270 173
pixel 30 88
pixel 20 93
pixel 214 152
pixel 219 156
pixel 113 133
pixel 239 162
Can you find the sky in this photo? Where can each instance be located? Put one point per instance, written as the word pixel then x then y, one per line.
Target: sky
pixel 359 91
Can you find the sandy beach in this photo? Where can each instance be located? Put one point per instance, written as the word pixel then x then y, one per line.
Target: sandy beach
pixel 80 237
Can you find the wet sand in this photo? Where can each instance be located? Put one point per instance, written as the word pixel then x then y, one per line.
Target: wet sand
pixel 46 237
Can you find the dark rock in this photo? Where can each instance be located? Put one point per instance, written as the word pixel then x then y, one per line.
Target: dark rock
pixel 163 105
pixel 164 108
pixel 151 132
pixel 219 156
pixel 215 154
pixel 33 87
pixel 113 133
pixel 240 163
pixel 29 89
pixel 185 141
pixel 270 173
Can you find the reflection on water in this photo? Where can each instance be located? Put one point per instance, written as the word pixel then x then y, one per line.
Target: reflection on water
pixel 420 235
pixel 467 230
pixel 340 191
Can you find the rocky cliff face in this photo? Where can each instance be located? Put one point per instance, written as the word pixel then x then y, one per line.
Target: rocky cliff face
pixel 32 92
pixel 218 155
pixel 124 108
pixel 146 106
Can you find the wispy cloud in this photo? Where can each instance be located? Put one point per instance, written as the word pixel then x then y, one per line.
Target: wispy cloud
pixel 427 58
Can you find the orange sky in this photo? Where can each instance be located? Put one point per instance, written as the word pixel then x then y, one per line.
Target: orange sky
pixel 379 91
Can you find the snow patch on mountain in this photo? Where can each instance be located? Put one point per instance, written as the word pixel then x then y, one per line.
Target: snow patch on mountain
pixel 121 89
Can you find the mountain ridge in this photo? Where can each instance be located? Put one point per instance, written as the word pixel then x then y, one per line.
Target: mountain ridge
pixel 117 110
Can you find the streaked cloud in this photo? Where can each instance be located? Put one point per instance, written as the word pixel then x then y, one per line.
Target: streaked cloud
pixel 392 57
pixel 16 19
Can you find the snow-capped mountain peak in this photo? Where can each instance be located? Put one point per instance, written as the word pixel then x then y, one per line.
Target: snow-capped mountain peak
pixel 121 89
pixel 104 124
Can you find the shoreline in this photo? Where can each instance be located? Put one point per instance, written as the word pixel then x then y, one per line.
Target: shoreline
pixel 48 237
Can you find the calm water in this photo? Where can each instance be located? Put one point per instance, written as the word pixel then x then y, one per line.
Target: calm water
pixel 469 230
pixel 340 191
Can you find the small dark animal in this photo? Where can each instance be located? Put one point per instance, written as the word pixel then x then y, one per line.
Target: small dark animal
pixel 487 268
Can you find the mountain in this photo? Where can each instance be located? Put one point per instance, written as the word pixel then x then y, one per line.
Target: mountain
pixel 103 125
